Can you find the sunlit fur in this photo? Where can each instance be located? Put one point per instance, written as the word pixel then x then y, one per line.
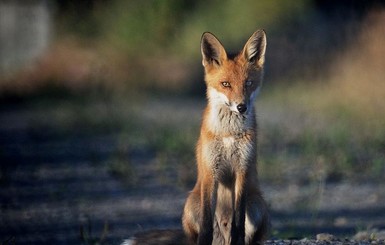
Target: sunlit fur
pixel 226 205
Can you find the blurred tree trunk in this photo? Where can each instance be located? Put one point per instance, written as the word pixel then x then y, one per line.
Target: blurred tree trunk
pixel 25 32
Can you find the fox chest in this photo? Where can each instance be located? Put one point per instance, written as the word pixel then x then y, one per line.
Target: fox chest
pixel 226 155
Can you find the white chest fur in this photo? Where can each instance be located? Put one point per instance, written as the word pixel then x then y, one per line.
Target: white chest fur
pixel 228 141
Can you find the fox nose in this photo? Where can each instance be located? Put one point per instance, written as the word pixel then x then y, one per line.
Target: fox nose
pixel 242 108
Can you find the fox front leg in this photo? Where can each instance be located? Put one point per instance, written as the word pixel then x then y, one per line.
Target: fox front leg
pixel 238 228
pixel 205 236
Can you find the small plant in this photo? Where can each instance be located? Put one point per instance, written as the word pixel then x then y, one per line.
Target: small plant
pixel 87 237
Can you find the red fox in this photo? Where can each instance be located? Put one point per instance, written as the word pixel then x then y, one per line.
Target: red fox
pixel 226 205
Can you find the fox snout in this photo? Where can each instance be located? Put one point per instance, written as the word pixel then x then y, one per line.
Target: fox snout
pixel 239 107
pixel 242 108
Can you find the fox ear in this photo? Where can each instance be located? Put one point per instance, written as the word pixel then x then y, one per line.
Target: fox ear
pixel 255 47
pixel 213 52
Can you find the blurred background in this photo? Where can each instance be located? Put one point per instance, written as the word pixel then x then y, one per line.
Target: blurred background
pixel 100 107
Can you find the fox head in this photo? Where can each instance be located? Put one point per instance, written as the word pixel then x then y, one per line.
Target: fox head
pixel 233 81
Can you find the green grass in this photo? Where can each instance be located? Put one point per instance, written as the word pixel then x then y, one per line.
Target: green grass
pixel 173 26
pixel 315 128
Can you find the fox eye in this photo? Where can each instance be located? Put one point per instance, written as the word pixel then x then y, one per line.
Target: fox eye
pixel 248 83
pixel 226 84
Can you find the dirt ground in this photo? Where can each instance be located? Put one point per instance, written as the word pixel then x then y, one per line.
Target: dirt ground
pixel 58 189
